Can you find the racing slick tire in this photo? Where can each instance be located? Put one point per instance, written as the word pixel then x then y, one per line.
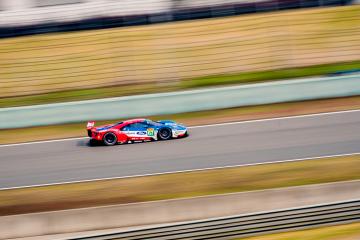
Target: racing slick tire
pixel 109 139
pixel 164 134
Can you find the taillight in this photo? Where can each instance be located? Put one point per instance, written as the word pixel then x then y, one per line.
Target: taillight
pixel 98 136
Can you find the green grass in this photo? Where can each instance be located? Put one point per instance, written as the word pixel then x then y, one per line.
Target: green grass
pixel 81 94
pixel 340 232
pixel 116 91
pixel 271 75
pixel 179 185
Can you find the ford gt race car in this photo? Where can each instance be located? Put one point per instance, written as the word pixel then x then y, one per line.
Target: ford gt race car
pixel 135 130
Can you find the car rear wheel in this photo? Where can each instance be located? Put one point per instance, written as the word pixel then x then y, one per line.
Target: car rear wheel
pixel 164 134
pixel 110 139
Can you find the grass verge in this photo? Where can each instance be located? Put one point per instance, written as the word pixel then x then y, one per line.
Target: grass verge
pixel 195 118
pixel 179 185
pixel 126 90
pixel 341 232
pixel 271 75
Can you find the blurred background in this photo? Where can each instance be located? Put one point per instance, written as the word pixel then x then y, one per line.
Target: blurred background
pixel 198 62
pixel 62 50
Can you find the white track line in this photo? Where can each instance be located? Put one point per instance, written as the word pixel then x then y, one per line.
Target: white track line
pixel 277 118
pixel 183 171
pixel 201 126
pixel 43 141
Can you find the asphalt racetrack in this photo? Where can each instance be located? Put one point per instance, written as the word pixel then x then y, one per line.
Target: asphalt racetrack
pixel 206 147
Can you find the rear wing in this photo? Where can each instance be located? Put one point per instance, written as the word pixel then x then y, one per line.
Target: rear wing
pixel 90 125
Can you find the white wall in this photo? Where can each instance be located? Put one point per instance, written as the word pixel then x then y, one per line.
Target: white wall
pixel 23 12
pixel 11 5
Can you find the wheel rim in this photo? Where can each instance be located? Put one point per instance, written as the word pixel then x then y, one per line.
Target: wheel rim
pixel 109 138
pixel 164 133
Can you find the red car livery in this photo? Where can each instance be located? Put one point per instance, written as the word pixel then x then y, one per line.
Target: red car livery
pixel 135 130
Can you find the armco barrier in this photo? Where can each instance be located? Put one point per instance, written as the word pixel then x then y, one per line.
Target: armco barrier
pixel 178 102
pixel 175 210
pixel 246 225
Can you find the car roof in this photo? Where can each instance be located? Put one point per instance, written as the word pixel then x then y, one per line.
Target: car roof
pixel 134 120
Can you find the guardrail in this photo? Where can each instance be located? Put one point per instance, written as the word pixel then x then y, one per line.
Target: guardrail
pixel 186 210
pixel 247 225
pixel 179 102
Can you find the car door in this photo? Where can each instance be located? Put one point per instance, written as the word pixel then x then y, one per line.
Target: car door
pixel 136 131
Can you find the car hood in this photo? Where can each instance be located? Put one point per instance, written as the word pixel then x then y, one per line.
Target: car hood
pixel 178 127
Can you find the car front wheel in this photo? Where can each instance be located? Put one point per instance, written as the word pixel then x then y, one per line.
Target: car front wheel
pixel 164 134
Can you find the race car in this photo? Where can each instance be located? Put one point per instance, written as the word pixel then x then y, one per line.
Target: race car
pixel 135 130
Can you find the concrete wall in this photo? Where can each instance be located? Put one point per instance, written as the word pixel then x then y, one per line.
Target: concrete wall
pixel 158 212
pixel 178 102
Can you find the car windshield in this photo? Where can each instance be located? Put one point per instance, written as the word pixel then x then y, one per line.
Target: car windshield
pixel 116 124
